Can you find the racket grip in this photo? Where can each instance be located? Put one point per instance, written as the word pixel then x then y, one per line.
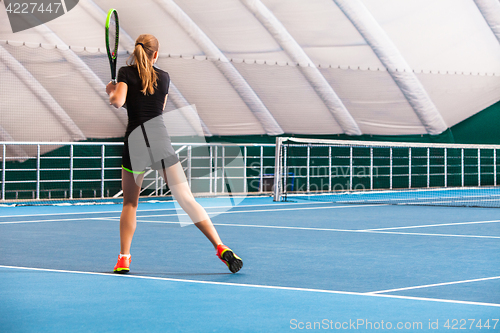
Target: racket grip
pixel 113 81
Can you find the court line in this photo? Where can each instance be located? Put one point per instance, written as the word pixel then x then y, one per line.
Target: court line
pixel 274 210
pixel 164 209
pixel 209 213
pixel 322 229
pixel 434 225
pixel 434 285
pixel 115 219
pixel 52 220
pixel 428 234
pixel 255 286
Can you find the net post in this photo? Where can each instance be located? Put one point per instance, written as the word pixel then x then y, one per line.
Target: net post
pixel 261 170
pixel 390 168
pixel 223 162
pixel 409 167
pixel 446 167
pixel 103 148
pixel 285 170
pixel 428 167
pixel 350 168
pixel 245 189
pixel 462 165
pixel 71 161
pixel 277 168
pixel 479 167
pixel 189 161
pixel 3 170
pixel 215 169
pixel 38 172
pixel 371 168
pixel 210 165
pixel 329 168
pixel 494 167
pixel 308 165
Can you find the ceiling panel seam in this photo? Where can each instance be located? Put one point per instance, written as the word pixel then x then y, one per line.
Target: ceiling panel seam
pixel 42 94
pixel 308 69
pixel 490 9
pixel 94 81
pixel 234 77
pixel 128 43
pixel 398 68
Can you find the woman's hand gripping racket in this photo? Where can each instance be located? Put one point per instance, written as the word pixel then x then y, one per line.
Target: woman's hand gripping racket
pixel 112 37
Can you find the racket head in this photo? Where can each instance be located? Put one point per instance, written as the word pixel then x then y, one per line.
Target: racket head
pixel 112 38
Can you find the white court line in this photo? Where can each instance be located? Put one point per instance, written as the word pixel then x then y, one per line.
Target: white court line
pixel 272 210
pixel 52 220
pixel 164 209
pixel 434 285
pixel 426 234
pixel 322 229
pixel 209 213
pixel 261 226
pixel 121 276
pixel 434 225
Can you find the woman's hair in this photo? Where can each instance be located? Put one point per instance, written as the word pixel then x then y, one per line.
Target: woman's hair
pixel 145 47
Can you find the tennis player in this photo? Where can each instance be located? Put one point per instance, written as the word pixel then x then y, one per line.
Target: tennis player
pixel 145 89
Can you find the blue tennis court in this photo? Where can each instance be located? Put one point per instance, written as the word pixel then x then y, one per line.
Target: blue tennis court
pixel 307 266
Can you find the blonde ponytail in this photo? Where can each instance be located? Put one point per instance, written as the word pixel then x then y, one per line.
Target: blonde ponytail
pixel 142 57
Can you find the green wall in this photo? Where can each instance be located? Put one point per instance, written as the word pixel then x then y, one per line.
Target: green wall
pixel 481 128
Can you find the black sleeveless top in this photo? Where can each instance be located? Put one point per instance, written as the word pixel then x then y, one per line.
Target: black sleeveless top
pixel 140 107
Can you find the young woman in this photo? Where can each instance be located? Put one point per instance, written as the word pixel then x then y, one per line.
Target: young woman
pixel 145 89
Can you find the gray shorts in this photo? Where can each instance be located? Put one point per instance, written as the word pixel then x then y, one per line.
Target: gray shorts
pixel 148 145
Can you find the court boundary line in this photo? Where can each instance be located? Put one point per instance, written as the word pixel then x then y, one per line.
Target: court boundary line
pixel 433 225
pixel 174 201
pixel 321 229
pixel 209 213
pixel 366 231
pixel 435 285
pixel 256 286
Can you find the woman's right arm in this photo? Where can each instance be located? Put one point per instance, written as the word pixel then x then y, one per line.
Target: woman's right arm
pixel 117 93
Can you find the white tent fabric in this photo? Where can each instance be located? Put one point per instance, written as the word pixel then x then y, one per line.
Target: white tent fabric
pixel 250 67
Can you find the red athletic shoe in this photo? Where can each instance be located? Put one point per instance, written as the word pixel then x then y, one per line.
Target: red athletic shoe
pixel 123 265
pixel 233 262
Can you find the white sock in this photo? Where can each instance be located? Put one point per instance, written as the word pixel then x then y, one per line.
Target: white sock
pixel 125 255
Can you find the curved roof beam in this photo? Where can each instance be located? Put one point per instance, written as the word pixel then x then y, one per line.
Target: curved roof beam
pixel 15 149
pixel 89 75
pixel 128 43
pixel 311 72
pixel 491 13
pixel 43 95
pixel 234 77
pixel 397 66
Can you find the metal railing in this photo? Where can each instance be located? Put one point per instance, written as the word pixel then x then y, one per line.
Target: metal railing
pixel 70 170
pixel 92 169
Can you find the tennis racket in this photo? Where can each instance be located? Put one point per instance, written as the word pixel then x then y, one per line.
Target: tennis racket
pixel 112 36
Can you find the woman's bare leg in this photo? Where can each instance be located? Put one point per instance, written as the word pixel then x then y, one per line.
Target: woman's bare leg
pixel 208 229
pixel 176 180
pixel 128 217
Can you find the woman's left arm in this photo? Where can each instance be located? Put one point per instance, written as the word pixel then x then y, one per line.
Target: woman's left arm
pixel 165 103
pixel 117 93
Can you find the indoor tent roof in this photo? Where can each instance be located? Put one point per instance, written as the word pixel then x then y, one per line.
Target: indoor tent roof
pixel 382 67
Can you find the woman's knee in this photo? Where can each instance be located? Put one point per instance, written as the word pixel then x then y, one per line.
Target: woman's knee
pixel 130 204
pixel 185 200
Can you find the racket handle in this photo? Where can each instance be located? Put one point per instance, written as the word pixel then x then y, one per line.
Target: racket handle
pixel 113 81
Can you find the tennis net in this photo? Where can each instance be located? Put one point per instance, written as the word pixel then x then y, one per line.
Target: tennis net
pixel 386 172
